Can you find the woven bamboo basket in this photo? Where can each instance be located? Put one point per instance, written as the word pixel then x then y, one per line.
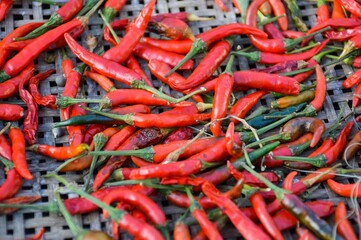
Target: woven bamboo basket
pixel 24 223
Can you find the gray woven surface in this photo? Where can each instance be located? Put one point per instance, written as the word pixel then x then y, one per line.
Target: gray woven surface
pixel 24 223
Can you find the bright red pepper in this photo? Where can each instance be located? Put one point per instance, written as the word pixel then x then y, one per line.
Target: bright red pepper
pixel 344 227
pixel 345 190
pixel 5 5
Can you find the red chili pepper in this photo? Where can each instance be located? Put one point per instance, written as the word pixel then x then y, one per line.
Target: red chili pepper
pixel 356 62
pixel 267 82
pixel 38 235
pixel 172 28
pixel 17 200
pixel 237 217
pixel 259 206
pixel 59 153
pixel 46 101
pixel 182 133
pixel 293 34
pixel 181 231
pixel 221 5
pixel 105 83
pixel 11 112
pixel 141 201
pixel 344 227
pixel 304 234
pixel 112 7
pixel 4 8
pixel 76 133
pixel 343 35
pixel 245 104
pixel 18 153
pixel 353 79
pixel 136 29
pixel 272 31
pixel 279 10
pixel 273 58
pixel 91 131
pixel 322 11
pixel 345 190
pixel 356 99
pixel 31 120
pixel 233 149
pixel 352 6
pixel 352 147
pixel 133 64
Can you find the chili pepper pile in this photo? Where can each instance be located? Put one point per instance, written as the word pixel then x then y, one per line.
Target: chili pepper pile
pixel 177 119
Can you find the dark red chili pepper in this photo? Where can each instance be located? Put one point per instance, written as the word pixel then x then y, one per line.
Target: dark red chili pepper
pixel 112 7
pixel 182 133
pixel 59 153
pixel 346 190
pixel 237 217
pixel 105 83
pixel 4 8
pixel 279 10
pixel 17 200
pixel 141 201
pixel 273 58
pixel 352 6
pixel 356 62
pixel 284 220
pixel 91 131
pixel 46 101
pixel 344 228
pixel 31 121
pixel 11 86
pixel 172 28
pixel 322 11
pixel 136 29
pixel 133 64
pixel 298 126
pixel 343 35
pixel 259 206
pixel 245 104
pixel 283 67
pixel 31 51
pixel 11 112
pixel 267 82
pixel 18 153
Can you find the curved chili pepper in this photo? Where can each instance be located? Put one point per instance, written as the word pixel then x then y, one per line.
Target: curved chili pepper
pixel 47 101
pixel 221 5
pixel 343 35
pixel 11 112
pixel 267 82
pixel 279 9
pixel 105 83
pixel 283 67
pixel 136 29
pixel 60 153
pixel 345 190
pixel 237 217
pixel 31 51
pixel 91 131
pixel 352 147
pixel 147 205
pixel 4 8
pixel 293 34
pixel 104 66
pixel 298 126
pixel 344 227
pixel 112 7
pixel 273 58
pixel 352 6
pixel 288 101
pixel 322 11
pixel 133 64
pixel 233 148
pixel 172 28
pixel 116 25
pixel 64 14
pixel 288 182
pixel 259 206
pixel 18 153
pixel 31 121
pixel 356 62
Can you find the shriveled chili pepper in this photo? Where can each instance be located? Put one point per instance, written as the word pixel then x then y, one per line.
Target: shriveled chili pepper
pixel 59 153
pixel 4 8
pixel 284 220
pixel 182 133
pixel 136 29
pixel 141 201
pixel 345 190
pixel 46 101
pixel 172 28
pixel 31 51
pixel 286 66
pixel 237 217
pixel 222 95
pixel 273 58
pixel 31 121
pixel 112 7
pixel 62 15
pixel 18 152
pixel 11 112
pixel 266 81
pixel 259 206
pixel 288 101
pixel 344 34
pixel 322 11
pixel 17 200
pixel 344 227
pixel 297 208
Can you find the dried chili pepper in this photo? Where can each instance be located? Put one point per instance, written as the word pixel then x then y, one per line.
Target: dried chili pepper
pixel 18 152
pixel 46 101
pixel 64 14
pixel 182 133
pixel 345 190
pixel 59 153
pixel 344 227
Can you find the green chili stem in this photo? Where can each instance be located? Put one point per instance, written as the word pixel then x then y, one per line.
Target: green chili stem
pixel 8 164
pixel 259 111
pixel 304 48
pixel 318 161
pixel 50 207
pixel 125 117
pixel 148 183
pixel 106 22
pixel 278 137
pixel 144 153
